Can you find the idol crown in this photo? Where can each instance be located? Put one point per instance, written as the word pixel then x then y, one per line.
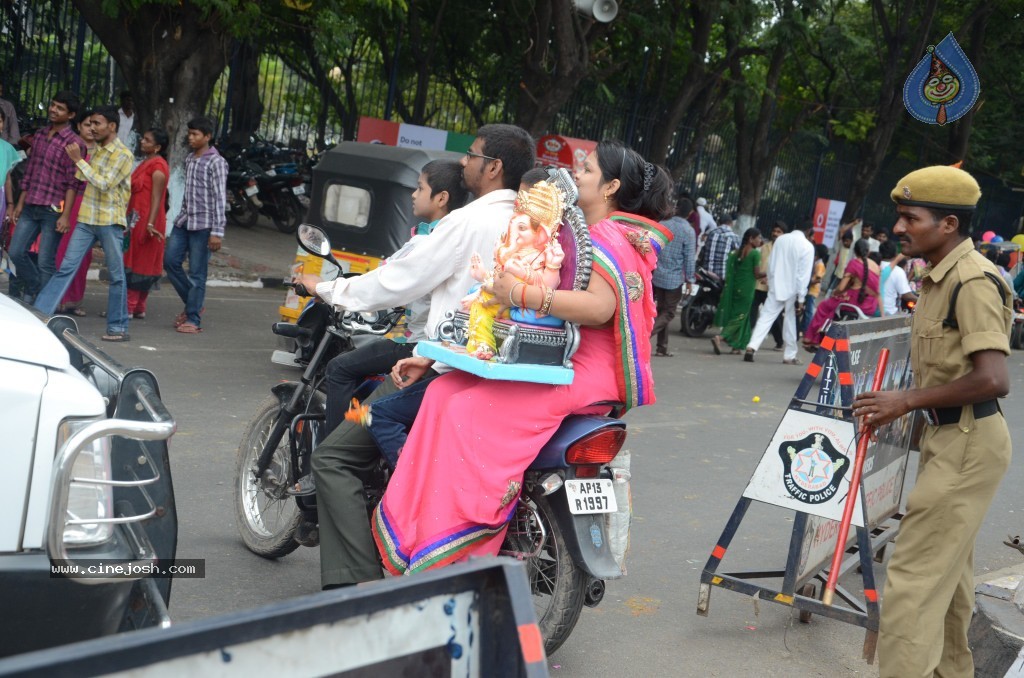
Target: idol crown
pixel 543 202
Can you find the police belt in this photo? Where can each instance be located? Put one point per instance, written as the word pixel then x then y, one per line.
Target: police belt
pixel 942 416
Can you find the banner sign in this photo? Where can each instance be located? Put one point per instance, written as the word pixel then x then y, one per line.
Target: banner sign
pixel 827 215
pixel 564 152
pixel 376 131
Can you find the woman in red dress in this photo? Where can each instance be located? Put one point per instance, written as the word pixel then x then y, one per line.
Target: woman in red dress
pixel 147 219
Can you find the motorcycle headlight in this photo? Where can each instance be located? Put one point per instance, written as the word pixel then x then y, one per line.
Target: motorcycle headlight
pixel 87 499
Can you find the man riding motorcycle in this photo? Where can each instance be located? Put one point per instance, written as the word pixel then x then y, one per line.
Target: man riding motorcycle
pixel 439 267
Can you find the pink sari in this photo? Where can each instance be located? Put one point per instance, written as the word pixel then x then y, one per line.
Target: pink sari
pixel 826 309
pixel 461 471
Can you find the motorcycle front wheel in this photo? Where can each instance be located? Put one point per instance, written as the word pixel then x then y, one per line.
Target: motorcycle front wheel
pixel 266 516
pixel 558 585
pixel 695 320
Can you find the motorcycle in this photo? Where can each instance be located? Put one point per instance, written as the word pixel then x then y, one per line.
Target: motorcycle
pixel 241 191
pixel 280 190
pixel 699 311
pixel 573 509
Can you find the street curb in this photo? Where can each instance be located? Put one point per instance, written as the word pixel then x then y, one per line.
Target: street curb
pixel 996 634
pixel 269 282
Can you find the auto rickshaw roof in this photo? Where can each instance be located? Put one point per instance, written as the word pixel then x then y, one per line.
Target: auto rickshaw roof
pixel 380 162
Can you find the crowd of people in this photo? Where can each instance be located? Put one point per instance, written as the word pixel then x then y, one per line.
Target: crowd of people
pixel 90 178
pixel 794 291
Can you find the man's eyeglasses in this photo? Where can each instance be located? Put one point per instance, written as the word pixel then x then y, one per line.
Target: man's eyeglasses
pixel 471 155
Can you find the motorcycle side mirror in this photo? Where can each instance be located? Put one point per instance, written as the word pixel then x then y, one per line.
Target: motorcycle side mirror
pixel 314 240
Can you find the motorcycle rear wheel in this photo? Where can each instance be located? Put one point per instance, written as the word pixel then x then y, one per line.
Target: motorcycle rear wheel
pixel 246 215
pixel 695 320
pixel 559 586
pixel 266 517
pixel 289 215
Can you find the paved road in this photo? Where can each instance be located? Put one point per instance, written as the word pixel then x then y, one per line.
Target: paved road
pixel 692 455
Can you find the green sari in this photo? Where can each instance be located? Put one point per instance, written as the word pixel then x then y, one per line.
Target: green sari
pixel 733 314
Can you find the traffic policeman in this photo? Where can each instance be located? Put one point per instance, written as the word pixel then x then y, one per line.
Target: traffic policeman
pixel 959 344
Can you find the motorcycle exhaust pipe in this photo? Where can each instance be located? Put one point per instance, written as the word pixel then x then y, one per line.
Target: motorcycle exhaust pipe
pixel 595 593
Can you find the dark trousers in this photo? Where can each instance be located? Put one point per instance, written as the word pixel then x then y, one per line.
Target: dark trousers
pixel 393 417
pixel 755 310
pixel 347 371
pixel 340 463
pixel 667 301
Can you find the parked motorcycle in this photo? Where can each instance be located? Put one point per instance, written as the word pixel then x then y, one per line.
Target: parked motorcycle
pixel 699 311
pixel 242 191
pixel 278 198
pixel 573 510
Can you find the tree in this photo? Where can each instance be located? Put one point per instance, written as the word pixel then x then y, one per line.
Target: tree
pixel 557 58
pixel 692 68
pixel 760 140
pixel 901 38
pixel 170 53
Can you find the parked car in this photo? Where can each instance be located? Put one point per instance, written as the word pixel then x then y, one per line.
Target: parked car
pixel 87 481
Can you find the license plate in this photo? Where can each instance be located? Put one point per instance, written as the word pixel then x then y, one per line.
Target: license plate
pixel 252 190
pixel 590 496
pixel 299 190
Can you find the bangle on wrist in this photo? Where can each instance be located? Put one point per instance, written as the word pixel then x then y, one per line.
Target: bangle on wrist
pixel 549 294
pixel 511 292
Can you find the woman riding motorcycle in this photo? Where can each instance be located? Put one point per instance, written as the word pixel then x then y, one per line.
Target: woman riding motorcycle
pixel 461 469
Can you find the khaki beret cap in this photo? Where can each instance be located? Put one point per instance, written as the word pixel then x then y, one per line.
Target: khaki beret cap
pixel 938 186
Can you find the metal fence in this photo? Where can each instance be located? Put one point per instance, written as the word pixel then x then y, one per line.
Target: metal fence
pixel 46 46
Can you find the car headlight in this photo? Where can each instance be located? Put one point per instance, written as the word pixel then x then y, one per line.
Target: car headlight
pixel 88 499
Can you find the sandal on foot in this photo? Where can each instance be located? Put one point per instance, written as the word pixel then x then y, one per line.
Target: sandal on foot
pixel 303 487
pixel 118 336
pixel 735 351
pixel 663 353
pixel 139 316
pixel 748 356
pixel 182 317
pixel 716 345
pixel 78 311
pixel 189 328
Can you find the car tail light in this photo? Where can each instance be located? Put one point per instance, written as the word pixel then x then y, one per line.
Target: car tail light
pixel 600 447
pixel 91 497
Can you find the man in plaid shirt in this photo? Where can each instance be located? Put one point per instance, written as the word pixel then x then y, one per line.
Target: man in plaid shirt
pixel 721 240
pixel 48 192
pixel 199 227
pixel 100 218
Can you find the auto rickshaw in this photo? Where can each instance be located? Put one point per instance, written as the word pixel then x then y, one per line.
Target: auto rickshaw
pixel 362 198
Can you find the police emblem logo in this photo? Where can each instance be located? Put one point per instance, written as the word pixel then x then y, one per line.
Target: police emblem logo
pixel 812 468
pixel 906 192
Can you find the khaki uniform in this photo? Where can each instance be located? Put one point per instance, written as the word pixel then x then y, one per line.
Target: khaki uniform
pixel 929 592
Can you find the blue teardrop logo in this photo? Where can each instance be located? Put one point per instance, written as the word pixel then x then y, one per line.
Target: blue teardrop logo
pixel 943 86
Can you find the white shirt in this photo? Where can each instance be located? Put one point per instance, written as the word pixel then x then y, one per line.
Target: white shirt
pixel 790 266
pixel 125 131
pixel 438 266
pixel 873 245
pixel 706 220
pixel 896 285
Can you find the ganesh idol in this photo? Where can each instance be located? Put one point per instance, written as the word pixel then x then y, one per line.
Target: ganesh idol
pixel 529 250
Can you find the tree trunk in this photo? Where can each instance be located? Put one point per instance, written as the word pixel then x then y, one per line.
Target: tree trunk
pixel 244 99
pixel 900 54
pixel 974 31
pixel 555 64
pixel 171 57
